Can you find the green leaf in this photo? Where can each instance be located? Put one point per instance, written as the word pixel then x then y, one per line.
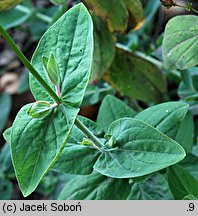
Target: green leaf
pixel 113 12
pixel 52 69
pixel 165 117
pixel 6 189
pixel 104 48
pixel 39 109
pixel 37 143
pixel 155 188
pixel 6 166
pixel 78 159
pixel 73 45
pixel 129 72
pixel 185 134
pixel 7 135
pixel 181 182
pixel 190 163
pixel 94 94
pixel 13 18
pixel 141 149
pixel 180 42
pixel 5 107
pixel 95 187
pixel 112 109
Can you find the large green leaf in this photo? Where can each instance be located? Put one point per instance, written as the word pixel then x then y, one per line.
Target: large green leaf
pixel 37 143
pixel 129 72
pixel 181 182
pixel 76 158
pixel 165 117
pixel 155 188
pixel 104 48
pixel 70 39
pixel 5 107
pixel 181 42
pixel 114 12
pixel 112 109
pixel 95 187
pixel 141 149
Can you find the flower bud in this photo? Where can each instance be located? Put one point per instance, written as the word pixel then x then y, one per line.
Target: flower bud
pixel 51 68
pixel 39 109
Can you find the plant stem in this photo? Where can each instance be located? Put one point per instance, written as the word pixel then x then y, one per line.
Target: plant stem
pixel 89 134
pixel 187 7
pixel 28 11
pixel 194 10
pixel 28 65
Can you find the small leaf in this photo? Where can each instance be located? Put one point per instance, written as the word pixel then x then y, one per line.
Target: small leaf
pixel 141 150
pixel 86 142
pixel 180 42
pixel 181 182
pixel 52 69
pixel 95 187
pixel 112 109
pixel 39 109
pixel 165 117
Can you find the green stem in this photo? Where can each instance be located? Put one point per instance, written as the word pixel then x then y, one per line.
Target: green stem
pixel 89 134
pixel 194 10
pixel 28 65
pixel 187 7
pixel 28 11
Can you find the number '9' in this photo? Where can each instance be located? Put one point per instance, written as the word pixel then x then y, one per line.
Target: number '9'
pixel 191 206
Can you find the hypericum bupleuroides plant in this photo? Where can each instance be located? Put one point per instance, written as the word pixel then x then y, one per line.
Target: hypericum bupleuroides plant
pixel 50 134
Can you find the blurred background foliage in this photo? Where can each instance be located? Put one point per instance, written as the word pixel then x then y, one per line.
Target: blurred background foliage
pixel 127 63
